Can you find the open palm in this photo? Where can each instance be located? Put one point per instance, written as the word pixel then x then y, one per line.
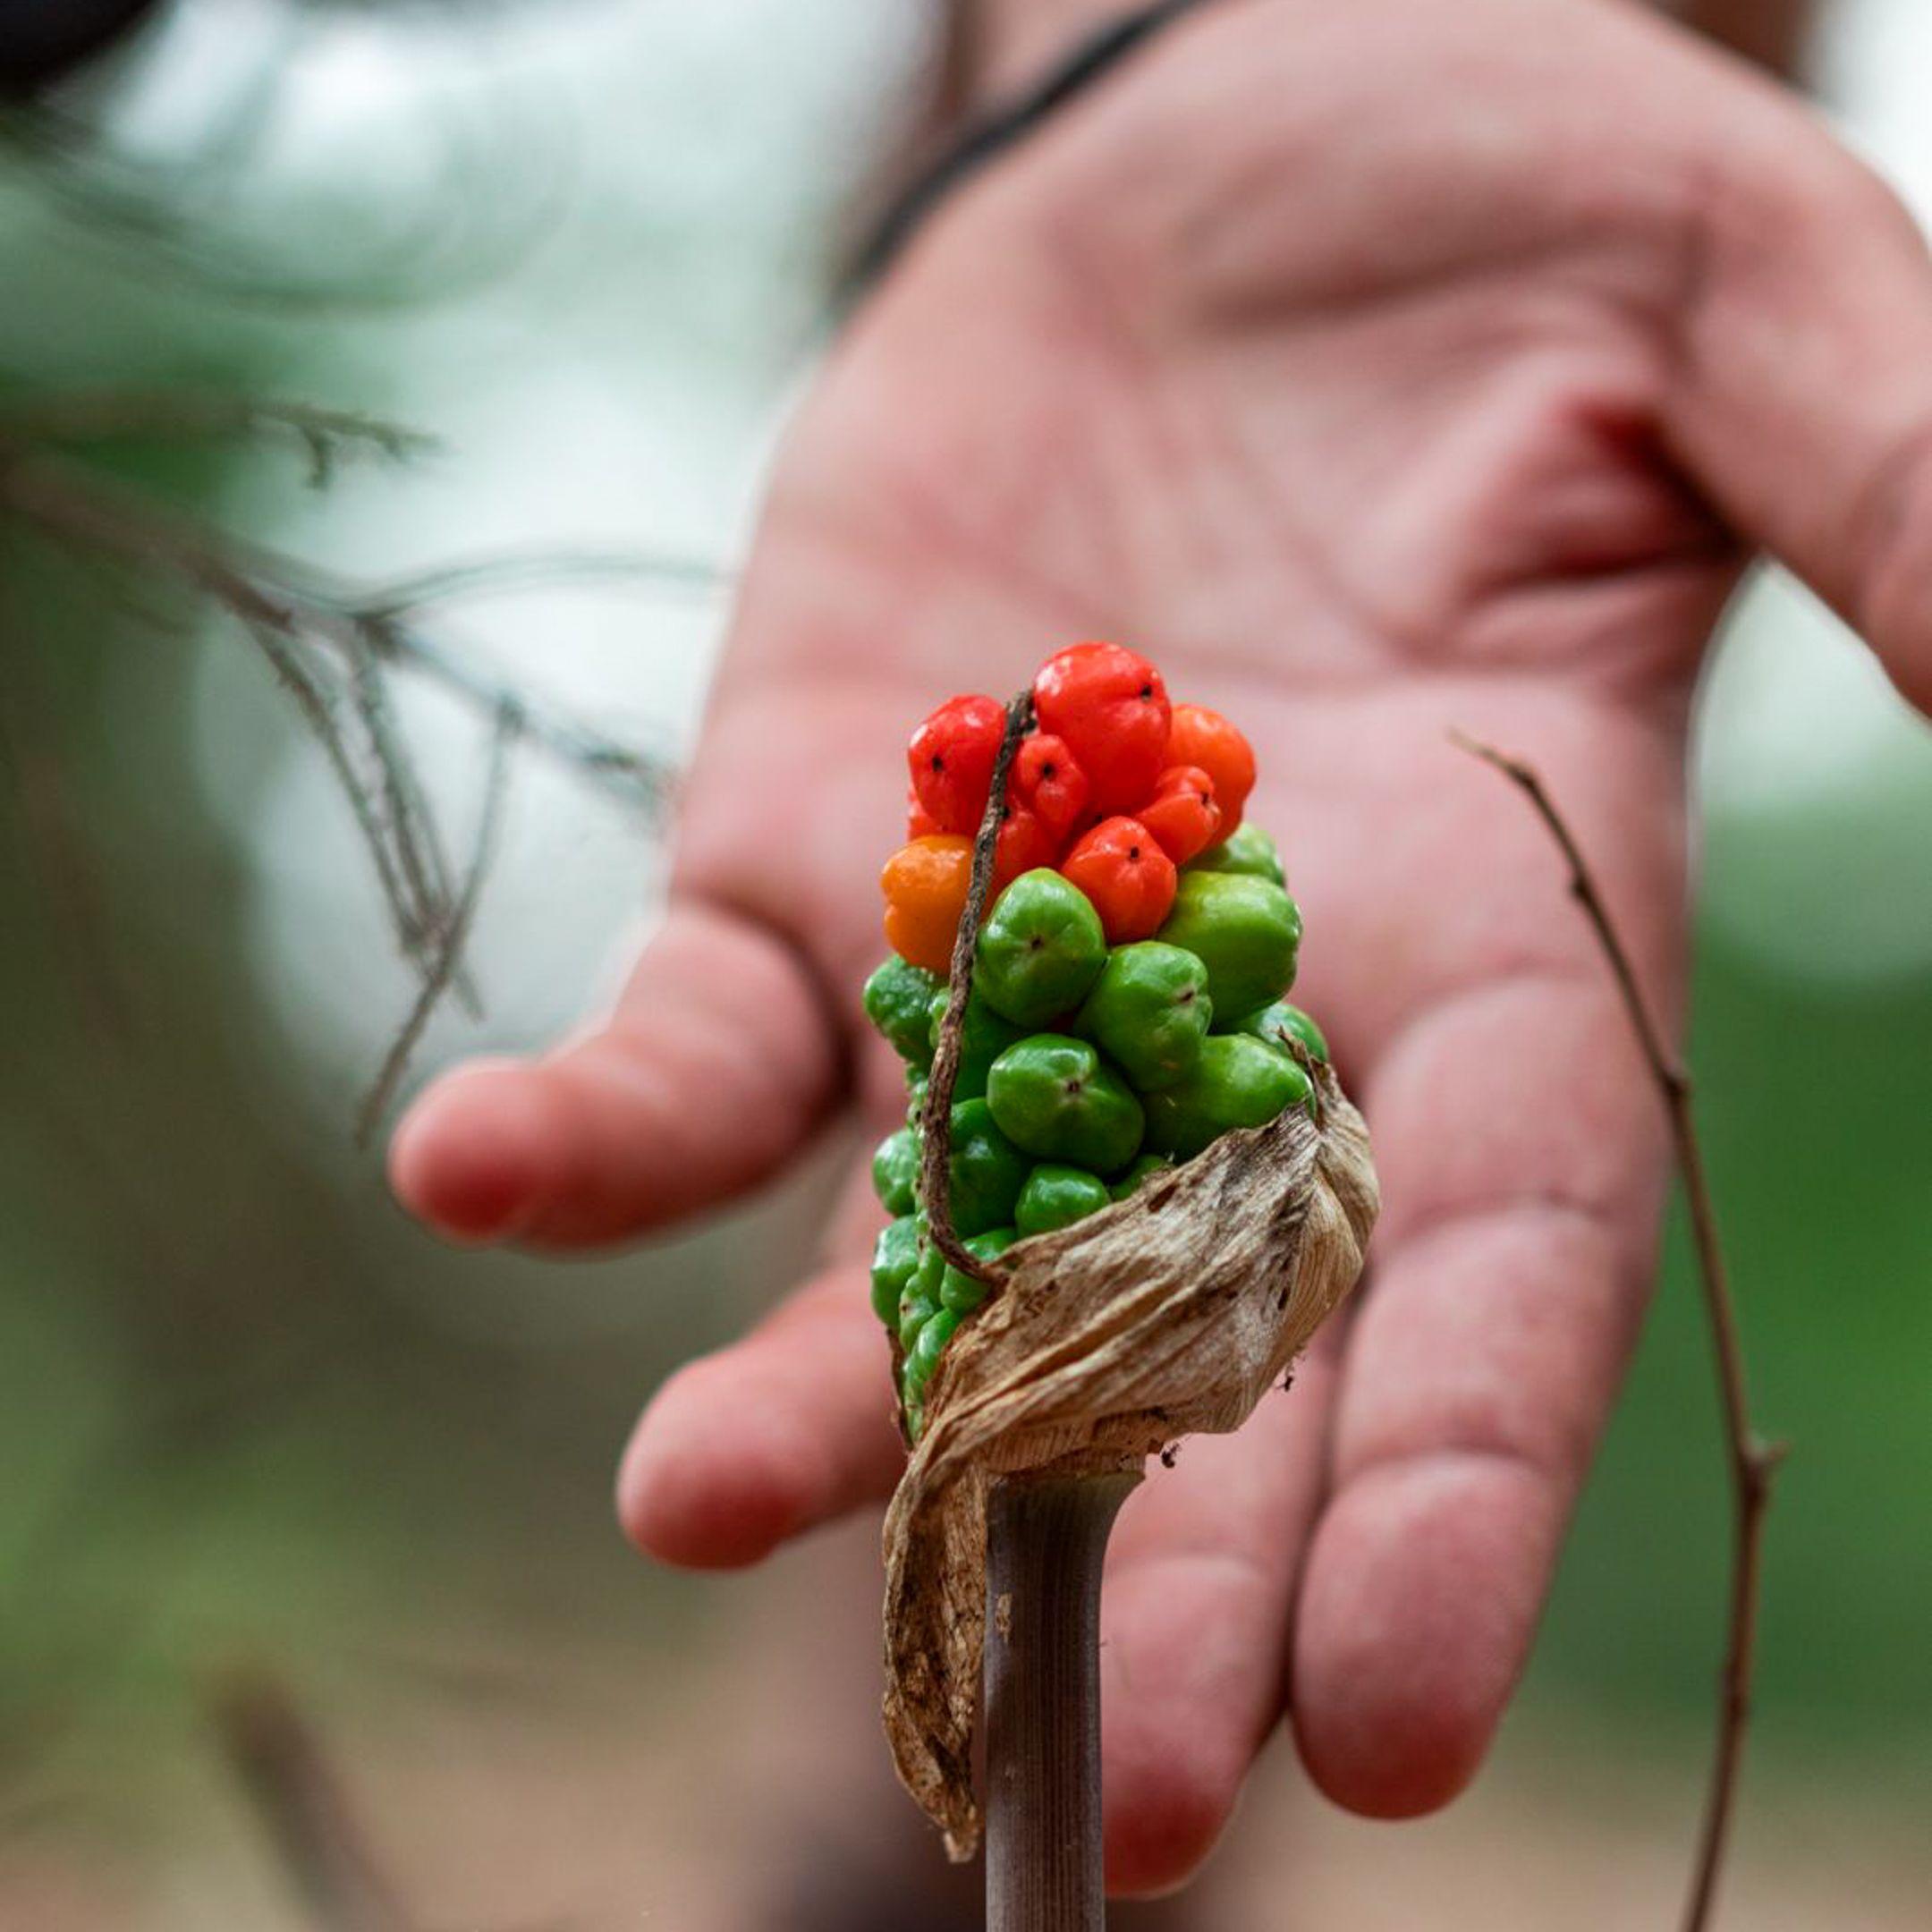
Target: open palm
pixel 1378 369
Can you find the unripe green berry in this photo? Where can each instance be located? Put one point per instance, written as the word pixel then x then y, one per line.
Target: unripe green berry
pixel 1149 1012
pixel 1040 949
pixel 1240 1083
pixel 1246 931
pixel 1247 849
pixel 984 1037
pixel 894 1256
pixel 962 1292
pixel 898 1001
pixel 986 1170
pixel 1056 1197
pixel 895 1167
pixel 1058 1099
pixel 1131 1183
pixel 1279 1018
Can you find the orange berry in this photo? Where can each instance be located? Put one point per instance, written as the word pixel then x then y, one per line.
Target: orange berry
pixel 925 886
pixel 1198 736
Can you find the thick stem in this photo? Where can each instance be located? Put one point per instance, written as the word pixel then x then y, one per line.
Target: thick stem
pixel 1046 1536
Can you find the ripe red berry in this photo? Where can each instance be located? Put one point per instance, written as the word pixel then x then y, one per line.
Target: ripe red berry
pixel 1121 866
pixel 1047 782
pixel 1183 815
pixel 1110 708
pixel 1024 843
pixel 919 822
pixel 1205 738
pixel 951 758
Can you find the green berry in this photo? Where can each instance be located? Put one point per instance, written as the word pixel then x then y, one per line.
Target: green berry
pixel 1272 1023
pixel 1056 1197
pixel 1149 1012
pixel 894 1256
pixel 896 1172
pixel 1059 1100
pixel 917 1085
pixel 929 1272
pixel 1240 1083
pixel 962 1293
pixel 924 1356
pixel 1040 949
pixel 1245 929
pixel 1131 1183
pixel 1247 849
pixel 915 1310
pixel 983 1039
pixel 987 1171
pixel 898 998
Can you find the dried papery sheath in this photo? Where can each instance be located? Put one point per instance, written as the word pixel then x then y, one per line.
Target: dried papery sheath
pixel 1174 1312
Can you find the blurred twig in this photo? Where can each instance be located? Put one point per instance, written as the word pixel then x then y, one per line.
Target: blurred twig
pixel 334 645
pixel 1752 1461
pixel 136 415
pixel 455 937
pixel 281 1764
pixel 276 1754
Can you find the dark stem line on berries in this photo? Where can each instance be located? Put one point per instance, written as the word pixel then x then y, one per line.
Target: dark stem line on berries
pixel 936 1183
pixel 1752 1461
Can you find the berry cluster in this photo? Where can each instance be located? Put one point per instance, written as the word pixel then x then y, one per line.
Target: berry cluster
pixel 1126 1006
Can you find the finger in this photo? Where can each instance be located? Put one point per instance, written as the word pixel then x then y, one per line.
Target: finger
pixel 1803 402
pixel 781 1432
pixel 1194 1620
pixel 1521 1152
pixel 717 1064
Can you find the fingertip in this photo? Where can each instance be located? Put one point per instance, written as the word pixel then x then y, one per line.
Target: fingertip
pixel 1167 1808
pixel 470 1157
pixel 684 1502
pixel 1421 1596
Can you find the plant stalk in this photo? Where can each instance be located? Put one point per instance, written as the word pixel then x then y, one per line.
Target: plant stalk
pixel 1046 1537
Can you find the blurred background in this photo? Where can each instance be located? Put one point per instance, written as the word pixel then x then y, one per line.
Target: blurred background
pixel 311 1605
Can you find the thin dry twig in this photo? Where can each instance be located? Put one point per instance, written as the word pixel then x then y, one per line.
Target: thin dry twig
pixel 443 969
pixel 935 1158
pixel 1752 1459
pixel 333 646
pixel 178 415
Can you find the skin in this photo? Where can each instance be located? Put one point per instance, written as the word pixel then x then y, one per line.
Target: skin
pixel 1379 368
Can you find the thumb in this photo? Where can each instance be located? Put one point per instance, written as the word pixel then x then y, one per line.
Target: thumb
pixel 1804 401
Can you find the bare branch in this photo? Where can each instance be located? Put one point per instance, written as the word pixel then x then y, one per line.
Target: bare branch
pixel 333 648
pixel 1752 1462
pixel 181 415
pixel 513 570
pixel 456 936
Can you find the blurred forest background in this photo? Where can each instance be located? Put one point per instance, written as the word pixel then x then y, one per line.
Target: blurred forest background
pixel 256 1429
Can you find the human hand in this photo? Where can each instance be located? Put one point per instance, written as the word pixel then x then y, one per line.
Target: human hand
pixel 1378 369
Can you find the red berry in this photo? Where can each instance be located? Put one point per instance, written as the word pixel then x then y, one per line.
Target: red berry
pixel 1024 843
pixel 1048 783
pixel 1205 738
pixel 919 822
pixel 1121 866
pixel 1110 708
pixel 1184 816
pixel 952 756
